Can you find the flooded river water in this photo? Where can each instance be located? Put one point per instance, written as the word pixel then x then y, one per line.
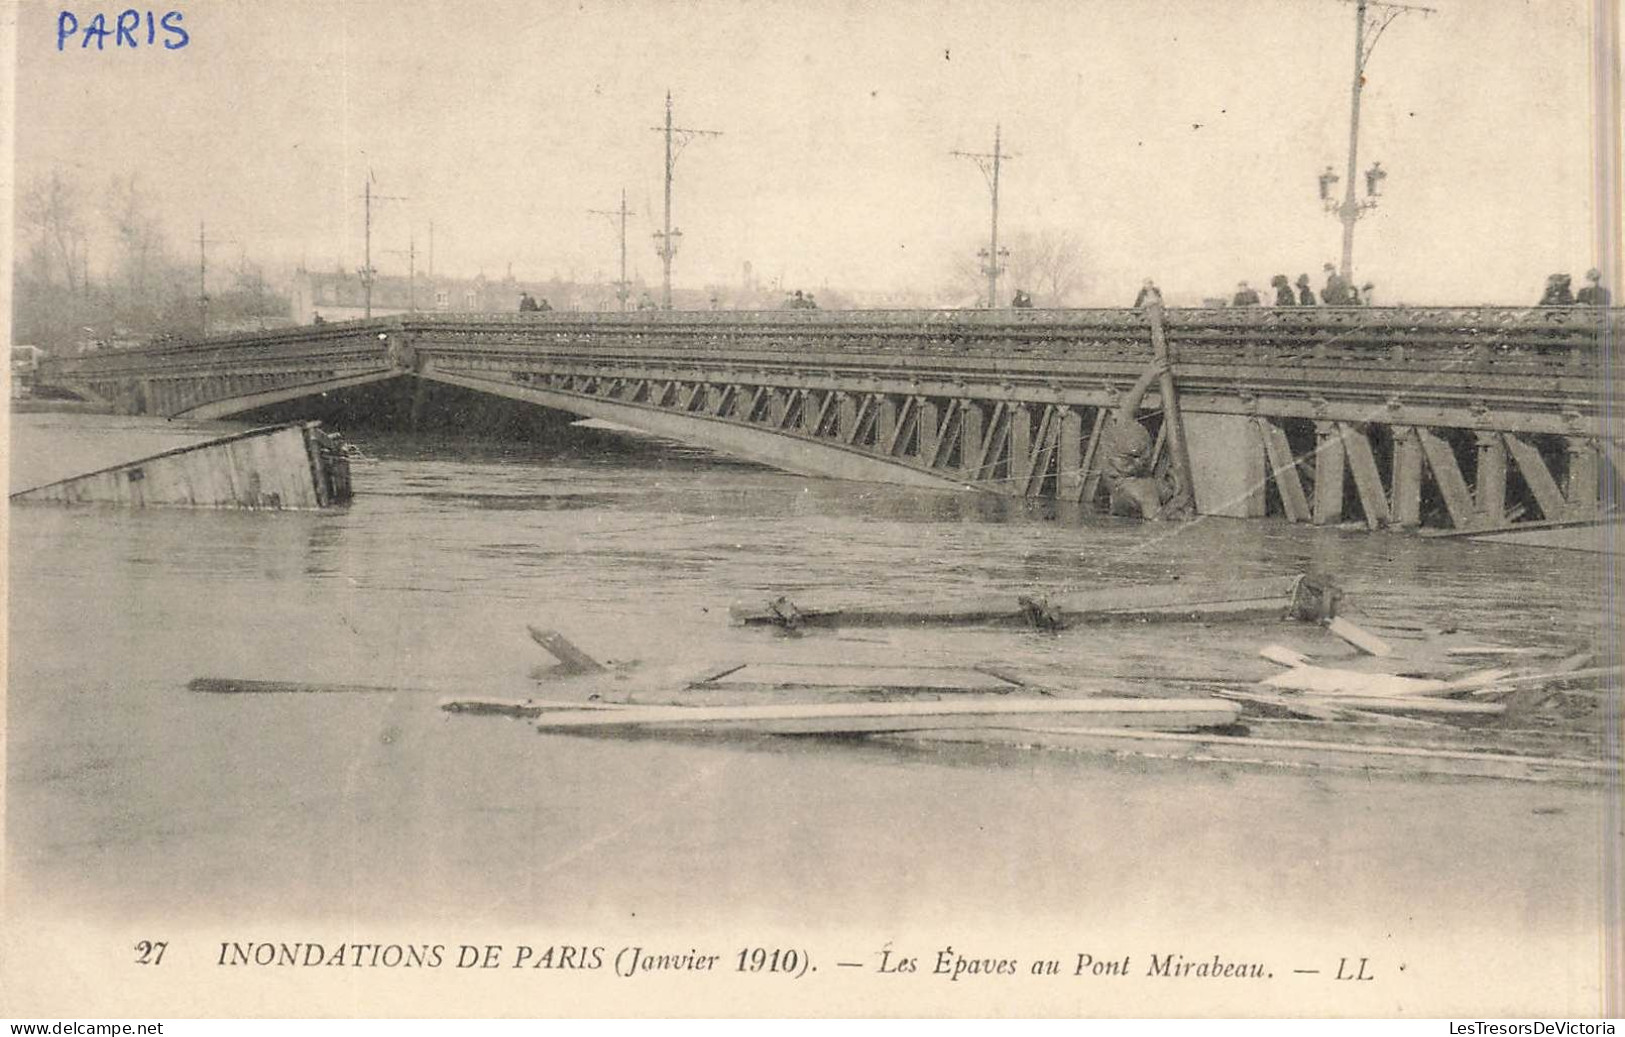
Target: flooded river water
pixel 130 799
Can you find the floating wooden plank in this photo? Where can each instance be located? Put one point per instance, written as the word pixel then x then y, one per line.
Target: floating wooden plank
pixel 1508 681
pixel 572 660
pixel 1267 598
pixel 872 717
pixel 1323 680
pixel 840 675
pixel 1413 704
pixel 1294 705
pixel 1312 755
pixel 1366 642
pixel 279 467
pixel 241 686
pixel 1495 650
pixel 1283 655
pixel 524 709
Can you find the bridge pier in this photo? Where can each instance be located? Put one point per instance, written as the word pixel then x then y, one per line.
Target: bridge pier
pixel 1491 478
pixel 1330 465
pixel 1227 464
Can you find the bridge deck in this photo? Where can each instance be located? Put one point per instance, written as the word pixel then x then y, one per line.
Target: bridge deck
pixel 1007 400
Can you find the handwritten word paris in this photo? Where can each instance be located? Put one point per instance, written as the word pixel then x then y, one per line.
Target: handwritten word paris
pixel 129 28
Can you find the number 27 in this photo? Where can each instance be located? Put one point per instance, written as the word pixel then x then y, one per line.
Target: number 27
pixel 149 952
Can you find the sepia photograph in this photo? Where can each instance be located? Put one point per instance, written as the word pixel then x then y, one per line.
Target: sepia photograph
pixel 811 508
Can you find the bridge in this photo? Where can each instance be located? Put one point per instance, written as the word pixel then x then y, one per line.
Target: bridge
pixel 1458 418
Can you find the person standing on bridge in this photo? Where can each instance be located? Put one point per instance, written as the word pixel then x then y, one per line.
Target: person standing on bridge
pixel 1336 292
pixel 1245 295
pixel 1149 293
pixel 1283 291
pixel 1557 291
pixel 1306 292
pixel 1593 294
pixel 1126 465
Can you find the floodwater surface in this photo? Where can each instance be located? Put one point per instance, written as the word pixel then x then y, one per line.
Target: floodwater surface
pixel 130 798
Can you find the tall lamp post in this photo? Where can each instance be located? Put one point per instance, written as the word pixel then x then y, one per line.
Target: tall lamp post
pixel 1371 17
pixel 992 256
pixel 677 137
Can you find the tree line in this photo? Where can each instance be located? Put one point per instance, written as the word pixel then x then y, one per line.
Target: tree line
pixel 65 300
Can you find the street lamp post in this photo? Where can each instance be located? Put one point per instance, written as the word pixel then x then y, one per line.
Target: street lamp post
pixel 992 255
pixel 1371 17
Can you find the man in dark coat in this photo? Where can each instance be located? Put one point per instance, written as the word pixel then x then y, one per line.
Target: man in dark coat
pixel 1306 293
pixel 1149 292
pixel 1557 291
pixel 1336 292
pixel 1245 295
pixel 1593 294
pixel 1283 291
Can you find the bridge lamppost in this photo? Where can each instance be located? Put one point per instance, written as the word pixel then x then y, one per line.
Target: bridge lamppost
pixel 677 137
pixel 368 272
pixel 1350 207
pixel 989 164
pixel 992 268
pixel 1371 17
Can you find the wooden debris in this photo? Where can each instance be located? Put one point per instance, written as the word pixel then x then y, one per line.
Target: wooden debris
pixel 1327 681
pixel 239 686
pixel 1295 705
pixel 871 717
pixel 1415 704
pixel 1040 614
pixel 1284 655
pixel 1509 682
pixel 1366 642
pixel 775 675
pixel 521 708
pixel 1308 754
pixel 572 660
pixel 1270 598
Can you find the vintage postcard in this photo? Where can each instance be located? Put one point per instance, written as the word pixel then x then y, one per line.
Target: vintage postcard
pixel 816 508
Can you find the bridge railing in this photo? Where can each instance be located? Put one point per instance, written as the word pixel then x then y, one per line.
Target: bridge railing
pixel 1480 336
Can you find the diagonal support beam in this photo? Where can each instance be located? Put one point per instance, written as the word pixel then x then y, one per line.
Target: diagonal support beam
pixel 1458 500
pixel 1533 469
pixel 1367 480
pixel 1284 469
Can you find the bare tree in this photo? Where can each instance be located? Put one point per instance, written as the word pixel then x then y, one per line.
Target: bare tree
pixel 51 222
pixel 142 259
pixel 1050 262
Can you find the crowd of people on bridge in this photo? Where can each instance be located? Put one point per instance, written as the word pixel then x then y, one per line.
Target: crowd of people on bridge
pixel 528 303
pixel 800 301
pixel 1559 291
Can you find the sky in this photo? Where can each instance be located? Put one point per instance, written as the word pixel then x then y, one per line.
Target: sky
pixel 1176 139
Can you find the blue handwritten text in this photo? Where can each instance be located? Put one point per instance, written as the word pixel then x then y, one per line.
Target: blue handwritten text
pixel 129 28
